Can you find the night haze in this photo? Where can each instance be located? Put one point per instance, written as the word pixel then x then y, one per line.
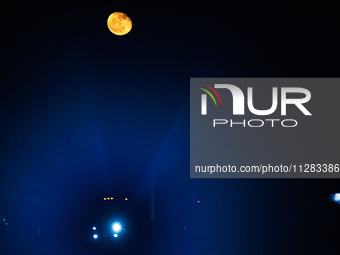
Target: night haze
pixel 87 115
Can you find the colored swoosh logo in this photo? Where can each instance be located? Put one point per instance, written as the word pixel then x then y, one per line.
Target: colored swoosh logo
pixel 213 90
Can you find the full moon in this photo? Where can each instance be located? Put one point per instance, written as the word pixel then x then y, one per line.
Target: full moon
pixel 119 23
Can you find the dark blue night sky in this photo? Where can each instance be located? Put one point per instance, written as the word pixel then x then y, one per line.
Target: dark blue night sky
pixel 86 114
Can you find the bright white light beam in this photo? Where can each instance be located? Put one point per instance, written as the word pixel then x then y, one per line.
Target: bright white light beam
pixel 116 227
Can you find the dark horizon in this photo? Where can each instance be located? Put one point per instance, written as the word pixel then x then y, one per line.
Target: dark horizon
pixel 87 114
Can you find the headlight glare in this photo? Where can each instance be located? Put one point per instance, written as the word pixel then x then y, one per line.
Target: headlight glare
pixel 116 227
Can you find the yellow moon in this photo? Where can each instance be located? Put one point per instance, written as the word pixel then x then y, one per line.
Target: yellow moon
pixel 119 23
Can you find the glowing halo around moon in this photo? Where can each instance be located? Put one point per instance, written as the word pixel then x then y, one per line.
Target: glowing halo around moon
pixel 119 23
